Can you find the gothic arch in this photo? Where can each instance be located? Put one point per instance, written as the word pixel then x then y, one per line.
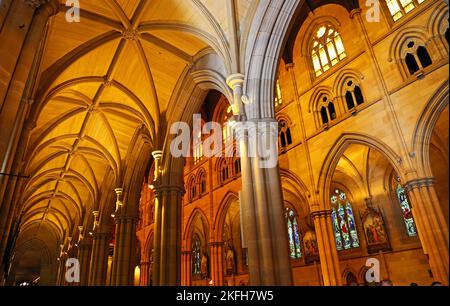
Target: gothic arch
pixel 219 219
pixel 189 229
pixel 336 152
pixel 342 77
pixel 398 49
pixel 424 128
pixel 438 24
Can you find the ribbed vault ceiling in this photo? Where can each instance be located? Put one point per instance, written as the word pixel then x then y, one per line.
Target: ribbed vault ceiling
pixel 101 80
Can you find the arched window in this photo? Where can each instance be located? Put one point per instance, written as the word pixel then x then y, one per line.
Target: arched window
pixel 399 8
pixel 293 234
pixel 192 189
pixel 202 183
pixel 327 110
pixel 343 220
pixel 223 171
pixel 408 219
pixel 196 256
pixel 278 95
pixel 417 57
pixel 285 136
pixel 353 95
pixel 327 49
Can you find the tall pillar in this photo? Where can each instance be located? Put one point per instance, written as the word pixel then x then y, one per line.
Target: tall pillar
pixel 124 252
pixel 329 260
pixel 216 251
pixel 85 251
pixel 125 247
pixel 145 273
pixel 261 199
pixel 167 248
pixel 99 259
pixel 187 264
pixel 431 225
pixel 20 54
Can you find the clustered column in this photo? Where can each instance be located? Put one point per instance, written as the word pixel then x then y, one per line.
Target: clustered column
pixel 261 199
pixel 217 263
pixel 167 248
pixel 84 255
pixel 99 259
pixel 125 247
pixel 186 257
pixel 431 225
pixel 327 248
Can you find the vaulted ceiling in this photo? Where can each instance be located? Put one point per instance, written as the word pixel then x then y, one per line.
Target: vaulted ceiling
pixel 102 79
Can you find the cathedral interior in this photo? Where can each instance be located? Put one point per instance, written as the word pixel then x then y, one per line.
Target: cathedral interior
pixel 92 91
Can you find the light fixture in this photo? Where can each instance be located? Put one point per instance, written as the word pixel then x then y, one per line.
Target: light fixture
pixel 113 214
pixel 91 233
pixel 151 186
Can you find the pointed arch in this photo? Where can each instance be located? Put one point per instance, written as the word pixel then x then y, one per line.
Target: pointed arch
pixel 425 125
pixel 335 154
pixel 219 219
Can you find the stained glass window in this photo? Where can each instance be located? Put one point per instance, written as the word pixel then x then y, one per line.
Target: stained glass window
pixel 399 8
pixel 406 208
pixel 196 256
pixel 343 222
pixel 327 49
pixel 293 233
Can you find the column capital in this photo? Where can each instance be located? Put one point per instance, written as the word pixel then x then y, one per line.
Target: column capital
pixel 235 80
pixel 321 213
pixel 125 219
pixel 169 188
pixel 418 183
pixel 157 154
pixel 354 12
pixel 290 66
pixel 216 243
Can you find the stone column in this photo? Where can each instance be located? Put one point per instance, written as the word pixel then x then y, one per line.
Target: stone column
pixel 145 266
pixel 187 268
pixel 329 259
pixel 99 259
pixel 261 199
pixel 431 225
pixel 124 251
pixel 167 248
pixel 20 54
pixel 85 251
pixel 184 268
pixel 124 258
pixel 216 249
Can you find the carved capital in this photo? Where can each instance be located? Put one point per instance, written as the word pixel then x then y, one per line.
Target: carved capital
pixel 419 183
pixel 320 213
